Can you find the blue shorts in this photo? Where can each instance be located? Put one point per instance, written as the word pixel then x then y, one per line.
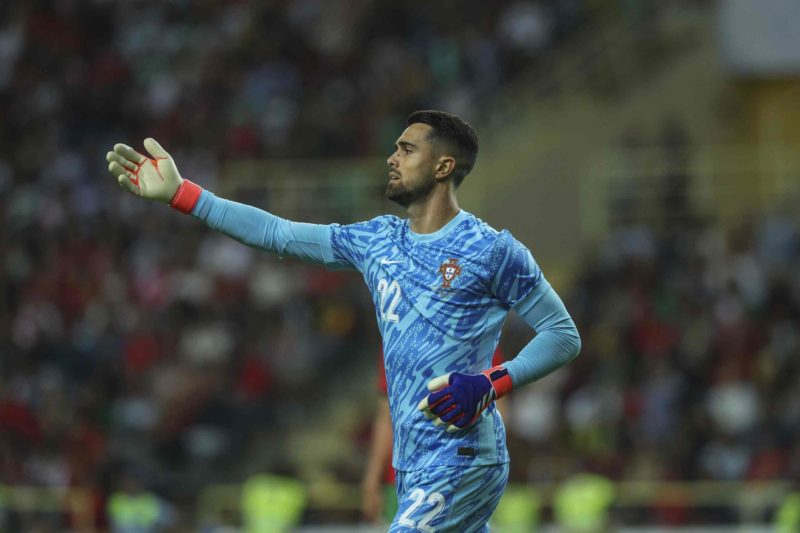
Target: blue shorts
pixel 448 498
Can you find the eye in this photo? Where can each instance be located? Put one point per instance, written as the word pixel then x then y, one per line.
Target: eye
pixel 407 150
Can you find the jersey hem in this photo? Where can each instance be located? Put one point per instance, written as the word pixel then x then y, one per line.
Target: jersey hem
pixel 451 464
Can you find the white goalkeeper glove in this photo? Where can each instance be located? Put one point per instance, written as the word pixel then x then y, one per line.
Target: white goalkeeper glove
pixel 155 178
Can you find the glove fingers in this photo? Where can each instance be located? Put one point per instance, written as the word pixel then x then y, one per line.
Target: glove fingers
pixel 129 153
pixel 439 382
pixel 439 422
pixel 423 406
pixel 450 415
pixel 457 400
pixel 458 423
pixel 116 169
pixel 126 183
pixel 435 398
pixel 431 404
pixel 445 406
pixel 155 149
pixel 113 157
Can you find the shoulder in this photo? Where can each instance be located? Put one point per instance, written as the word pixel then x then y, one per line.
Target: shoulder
pixel 507 250
pixel 382 221
pixel 479 229
pixel 500 238
pixel 387 221
pixel 373 225
pixel 482 227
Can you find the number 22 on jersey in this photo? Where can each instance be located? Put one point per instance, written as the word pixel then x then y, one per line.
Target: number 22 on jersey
pixel 390 296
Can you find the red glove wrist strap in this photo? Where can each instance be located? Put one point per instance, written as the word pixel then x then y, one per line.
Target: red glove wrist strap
pixel 501 380
pixel 186 197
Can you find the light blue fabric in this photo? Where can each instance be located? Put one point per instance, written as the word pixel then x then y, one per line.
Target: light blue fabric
pixel 448 499
pixel 440 303
pixel 259 229
pixel 556 342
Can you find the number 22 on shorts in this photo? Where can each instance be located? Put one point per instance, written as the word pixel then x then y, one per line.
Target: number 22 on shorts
pixel 423 524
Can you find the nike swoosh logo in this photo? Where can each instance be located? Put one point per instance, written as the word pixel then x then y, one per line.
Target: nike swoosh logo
pixel 385 261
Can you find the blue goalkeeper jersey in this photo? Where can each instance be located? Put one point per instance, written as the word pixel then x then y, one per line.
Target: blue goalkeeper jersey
pixel 440 301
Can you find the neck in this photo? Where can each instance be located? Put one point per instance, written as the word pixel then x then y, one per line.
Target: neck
pixel 434 211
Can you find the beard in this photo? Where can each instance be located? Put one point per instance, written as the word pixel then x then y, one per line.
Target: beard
pixel 405 196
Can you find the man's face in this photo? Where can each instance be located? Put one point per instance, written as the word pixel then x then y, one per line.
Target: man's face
pixel 412 166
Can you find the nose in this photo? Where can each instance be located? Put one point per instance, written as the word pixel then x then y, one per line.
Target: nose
pixel 392 160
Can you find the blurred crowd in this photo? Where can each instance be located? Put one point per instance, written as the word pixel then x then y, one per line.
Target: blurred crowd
pixel 692 336
pixel 137 345
pixel 689 367
pixel 241 78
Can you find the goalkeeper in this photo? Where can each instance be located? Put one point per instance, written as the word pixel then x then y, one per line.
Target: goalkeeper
pixel 442 282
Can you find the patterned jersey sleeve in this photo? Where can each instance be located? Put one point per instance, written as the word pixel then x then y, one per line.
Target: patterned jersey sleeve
pixel 349 243
pixel 516 271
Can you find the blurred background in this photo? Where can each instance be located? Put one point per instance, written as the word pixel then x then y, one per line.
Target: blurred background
pixel 647 151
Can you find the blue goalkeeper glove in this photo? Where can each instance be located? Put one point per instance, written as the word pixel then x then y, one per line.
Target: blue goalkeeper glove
pixel 459 399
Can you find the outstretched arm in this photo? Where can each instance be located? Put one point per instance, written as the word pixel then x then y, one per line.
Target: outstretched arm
pixel 157 178
pixel 265 231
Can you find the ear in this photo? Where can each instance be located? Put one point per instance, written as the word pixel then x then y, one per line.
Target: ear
pixel 444 167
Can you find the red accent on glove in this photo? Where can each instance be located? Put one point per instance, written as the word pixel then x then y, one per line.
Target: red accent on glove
pixel 501 380
pixel 186 197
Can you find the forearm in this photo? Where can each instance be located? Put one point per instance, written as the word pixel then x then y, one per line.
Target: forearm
pixel 557 341
pixel 260 229
pixel 457 400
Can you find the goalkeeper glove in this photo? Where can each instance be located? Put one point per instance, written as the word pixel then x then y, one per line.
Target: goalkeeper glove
pixel 155 178
pixel 459 399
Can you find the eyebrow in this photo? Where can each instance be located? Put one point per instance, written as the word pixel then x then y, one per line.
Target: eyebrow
pixel 404 144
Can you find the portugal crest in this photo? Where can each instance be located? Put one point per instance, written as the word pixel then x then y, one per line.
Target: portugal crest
pixel 449 271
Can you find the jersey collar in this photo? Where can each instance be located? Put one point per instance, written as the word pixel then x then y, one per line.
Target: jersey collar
pixel 441 232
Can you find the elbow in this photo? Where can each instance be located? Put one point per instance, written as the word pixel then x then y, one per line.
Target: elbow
pixel 576 343
pixel 571 343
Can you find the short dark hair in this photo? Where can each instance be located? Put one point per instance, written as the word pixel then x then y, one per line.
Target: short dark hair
pixel 460 137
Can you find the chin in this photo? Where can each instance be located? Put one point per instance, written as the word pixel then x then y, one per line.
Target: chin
pixel 401 198
pixel 404 196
